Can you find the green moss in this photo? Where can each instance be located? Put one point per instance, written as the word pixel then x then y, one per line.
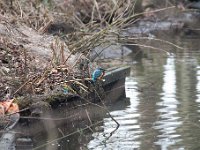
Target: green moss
pixel 23 102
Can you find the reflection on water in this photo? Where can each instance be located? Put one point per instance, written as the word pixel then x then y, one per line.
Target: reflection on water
pixel 126 136
pixel 198 85
pixel 166 114
pixel 168 119
pixel 161 110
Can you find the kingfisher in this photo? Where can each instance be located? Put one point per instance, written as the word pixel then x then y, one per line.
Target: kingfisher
pixel 98 74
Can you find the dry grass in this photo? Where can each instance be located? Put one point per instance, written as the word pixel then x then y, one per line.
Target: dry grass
pixel 95 23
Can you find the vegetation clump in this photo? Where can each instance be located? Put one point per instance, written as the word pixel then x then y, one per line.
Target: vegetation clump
pixel 46 45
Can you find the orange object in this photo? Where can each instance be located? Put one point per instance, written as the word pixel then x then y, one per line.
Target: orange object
pixel 2 111
pixel 13 108
pixel 8 107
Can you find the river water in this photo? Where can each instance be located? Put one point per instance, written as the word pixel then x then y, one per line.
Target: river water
pixel 162 108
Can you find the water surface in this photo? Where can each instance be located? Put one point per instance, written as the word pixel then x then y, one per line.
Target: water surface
pixel 161 110
pixel 165 114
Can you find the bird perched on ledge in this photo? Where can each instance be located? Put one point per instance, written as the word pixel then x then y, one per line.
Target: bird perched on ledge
pixel 98 74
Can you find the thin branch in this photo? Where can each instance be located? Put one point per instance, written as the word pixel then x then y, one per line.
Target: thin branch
pixel 147 46
pixel 149 38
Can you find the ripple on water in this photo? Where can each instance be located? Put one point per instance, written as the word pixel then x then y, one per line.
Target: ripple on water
pixel 129 131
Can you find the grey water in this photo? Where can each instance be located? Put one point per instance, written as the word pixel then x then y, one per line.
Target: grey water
pixel 162 108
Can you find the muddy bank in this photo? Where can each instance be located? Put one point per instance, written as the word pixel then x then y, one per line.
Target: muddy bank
pixel 36 63
pixel 33 67
pixel 179 22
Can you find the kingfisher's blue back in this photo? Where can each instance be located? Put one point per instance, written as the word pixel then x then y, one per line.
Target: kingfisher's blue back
pixel 96 74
